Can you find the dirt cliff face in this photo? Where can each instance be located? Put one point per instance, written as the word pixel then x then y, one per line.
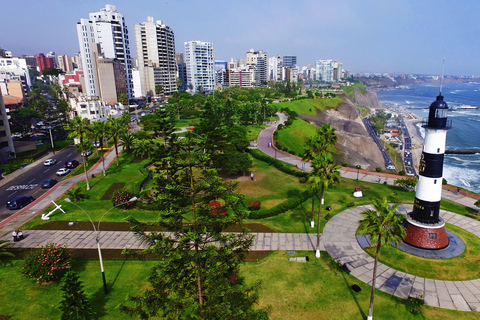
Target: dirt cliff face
pixel 353 141
pixel 367 99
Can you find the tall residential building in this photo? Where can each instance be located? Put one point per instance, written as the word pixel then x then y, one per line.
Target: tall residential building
pixel 77 61
pixel 6 144
pixel 155 43
pixel 259 60
pixel 31 61
pixel 65 63
pixel 200 64
pixel 275 68
pixel 44 62
pixel 337 71
pixel 15 76
pixel 324 70
pixel 106 28
pixel 289 61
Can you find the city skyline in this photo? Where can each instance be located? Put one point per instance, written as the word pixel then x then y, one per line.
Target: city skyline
pixel 371 36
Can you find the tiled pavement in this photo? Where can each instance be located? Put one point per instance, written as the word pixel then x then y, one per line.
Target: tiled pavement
pixel 340 242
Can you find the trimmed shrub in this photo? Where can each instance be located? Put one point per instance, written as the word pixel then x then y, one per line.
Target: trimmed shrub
pixel 259 155
pixel 48 263
pixel 254 205
pixel 289 204
pixel 216 208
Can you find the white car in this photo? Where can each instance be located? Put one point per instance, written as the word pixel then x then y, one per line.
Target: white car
pixel 89 153
pixel 49 162
pixel 63 171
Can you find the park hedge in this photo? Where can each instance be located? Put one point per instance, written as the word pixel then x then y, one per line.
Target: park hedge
pixel 289 204
pixel 259 155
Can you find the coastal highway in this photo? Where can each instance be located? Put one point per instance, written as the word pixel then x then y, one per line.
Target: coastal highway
pixel 386 157
pixel 407 149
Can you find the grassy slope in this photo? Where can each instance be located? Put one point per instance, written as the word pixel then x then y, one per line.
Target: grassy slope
pixel 308 106
pixel 294 136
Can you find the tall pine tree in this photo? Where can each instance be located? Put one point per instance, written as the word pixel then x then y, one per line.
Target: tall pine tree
pixel 75 304
pixel 197 276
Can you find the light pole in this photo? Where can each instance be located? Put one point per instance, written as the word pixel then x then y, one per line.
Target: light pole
pixel 51 139
pixel 358 170
pixel 97 238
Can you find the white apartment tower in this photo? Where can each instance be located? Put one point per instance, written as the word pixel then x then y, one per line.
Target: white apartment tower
pixel 200 63
pixel 155 43
pixel 275 68
pixel 106 28
pixel 324 70
pixel 259 60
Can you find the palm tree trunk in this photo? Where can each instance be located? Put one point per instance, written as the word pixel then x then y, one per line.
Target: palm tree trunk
pixel 86 174
pixel 103 162
pixel 317 251
pixel 312 222
pixel 116 151
pixel 372 295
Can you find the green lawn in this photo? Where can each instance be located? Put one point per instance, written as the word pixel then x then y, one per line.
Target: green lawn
pixel 291 290
pixel 293 137
pixel 133 174
pixel 464 267
pixel 315 290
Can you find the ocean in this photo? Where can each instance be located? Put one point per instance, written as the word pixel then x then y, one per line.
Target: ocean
pixel 459 170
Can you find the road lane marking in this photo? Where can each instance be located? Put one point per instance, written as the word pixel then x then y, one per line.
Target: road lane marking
pixel 11 194
pixel 46 171
pixel 22 187
pixel 31 181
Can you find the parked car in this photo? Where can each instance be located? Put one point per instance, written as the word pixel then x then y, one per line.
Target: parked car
pixel 49 183
pixel 19 202
pixel 89 153
pixel 63 171
pixel 96 144
pixel 49 162
pixel 71 164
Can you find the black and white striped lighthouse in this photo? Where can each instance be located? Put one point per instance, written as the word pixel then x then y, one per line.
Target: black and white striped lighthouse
pixel 425 227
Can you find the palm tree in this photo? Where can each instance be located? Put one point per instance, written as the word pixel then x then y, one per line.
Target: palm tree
pixel 98 131
pixel 383 227
pixel 142 148
pixel 77 128
pixel 324 140
pixel 325 171
pixel 127 141
pixel 4 244
pixel 116 128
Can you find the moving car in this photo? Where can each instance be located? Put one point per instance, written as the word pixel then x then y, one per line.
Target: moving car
pixel 71 164
pixel 49 162
pixel 19 202
pixel 49 183
pixel 63 171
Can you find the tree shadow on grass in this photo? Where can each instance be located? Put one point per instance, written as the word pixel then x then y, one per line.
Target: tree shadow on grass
pixel 98 300
pixel 352 293
pixel 293 192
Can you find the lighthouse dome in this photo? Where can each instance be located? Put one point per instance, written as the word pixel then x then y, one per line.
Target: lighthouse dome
pixel 437 115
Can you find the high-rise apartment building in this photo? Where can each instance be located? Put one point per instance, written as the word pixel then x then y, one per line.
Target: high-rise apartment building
pixel 324 70
pixel 65 63
pixel 108 30
pixel 328 70
pixel 155 43
pixel 44 62
pixel 200 64
pixel 259 60
pixel 6 144
pixel 275 68
pixel 289 61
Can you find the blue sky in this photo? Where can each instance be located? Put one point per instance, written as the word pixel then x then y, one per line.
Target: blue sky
pixel 367 36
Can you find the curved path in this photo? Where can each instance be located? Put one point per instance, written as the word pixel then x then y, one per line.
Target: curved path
pixel 340 242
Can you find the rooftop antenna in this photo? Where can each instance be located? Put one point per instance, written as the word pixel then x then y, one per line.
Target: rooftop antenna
pixel 441 78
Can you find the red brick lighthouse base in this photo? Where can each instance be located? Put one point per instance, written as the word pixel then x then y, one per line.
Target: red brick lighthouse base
pixel 426 236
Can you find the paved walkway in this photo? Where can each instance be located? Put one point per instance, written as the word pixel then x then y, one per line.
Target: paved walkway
pixel 340 242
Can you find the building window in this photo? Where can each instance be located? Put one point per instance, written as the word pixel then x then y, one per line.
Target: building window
pixel 435 181
pixel 438 150
pixel 432 236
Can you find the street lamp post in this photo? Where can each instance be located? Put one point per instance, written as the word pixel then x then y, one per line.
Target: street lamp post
pixel 358 170
pixel 97 237
pixel 51 139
